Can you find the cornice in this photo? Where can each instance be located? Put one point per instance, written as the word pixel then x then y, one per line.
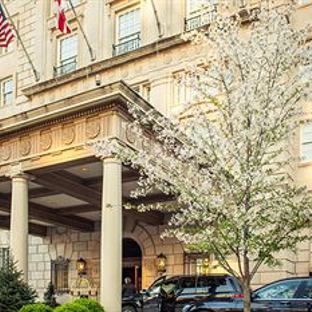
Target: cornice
pixel 97 67
pixel 110 97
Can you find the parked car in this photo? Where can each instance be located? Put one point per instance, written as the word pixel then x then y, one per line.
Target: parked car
pixel 171 294
pixel 288 295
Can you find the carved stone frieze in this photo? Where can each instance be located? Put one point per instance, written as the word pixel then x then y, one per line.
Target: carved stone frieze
pixel 45 140
pixel 93 128
pixel 6 152
pixel 130 133
pixel 68 134
pixel 25 146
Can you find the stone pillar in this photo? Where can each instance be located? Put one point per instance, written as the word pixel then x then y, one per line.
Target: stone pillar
pixel 19 222
pixel 111 236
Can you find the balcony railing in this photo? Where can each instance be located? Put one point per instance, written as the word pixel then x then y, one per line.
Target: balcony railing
pixel 67 66
pixel 203 19
pixel 133 43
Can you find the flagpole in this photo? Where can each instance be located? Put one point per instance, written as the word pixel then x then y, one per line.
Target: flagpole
pixel 91 51
pixel 36 74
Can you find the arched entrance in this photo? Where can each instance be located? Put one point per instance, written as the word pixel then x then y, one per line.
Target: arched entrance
pixel 132 262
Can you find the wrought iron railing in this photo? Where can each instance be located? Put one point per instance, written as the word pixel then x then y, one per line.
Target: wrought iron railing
pixel 67 66
pixel 202 19
pixel 127 45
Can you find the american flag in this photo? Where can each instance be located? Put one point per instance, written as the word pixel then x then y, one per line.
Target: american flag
pixel 62 22
pixel 6 33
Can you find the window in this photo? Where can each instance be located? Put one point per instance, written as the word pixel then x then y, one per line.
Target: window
pixel 144 90
pixel 60 274
pixel 4 257
pixel 128 31
pixel 74 3
pixel 306 142
pixel 200 13
pixel 307 290
pixel 6 92
pixel 280 290
pixel 68 52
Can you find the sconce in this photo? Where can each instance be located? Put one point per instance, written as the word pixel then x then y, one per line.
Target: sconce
pixel 161 263
pixel 81 266
pixel 206 266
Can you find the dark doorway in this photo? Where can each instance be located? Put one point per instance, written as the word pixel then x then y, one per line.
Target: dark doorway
pixel 132 262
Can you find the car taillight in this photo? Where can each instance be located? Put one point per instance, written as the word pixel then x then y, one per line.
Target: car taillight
pixel 238 296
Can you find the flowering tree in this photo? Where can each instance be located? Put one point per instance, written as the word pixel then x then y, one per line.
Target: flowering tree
pixel 227 158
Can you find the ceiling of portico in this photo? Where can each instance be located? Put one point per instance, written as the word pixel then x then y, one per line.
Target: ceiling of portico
pixel 70 195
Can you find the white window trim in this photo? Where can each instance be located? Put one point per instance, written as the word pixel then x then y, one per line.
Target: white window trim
pixel 59 41
pixel 302 160
pixel 2 82
pixel 124 11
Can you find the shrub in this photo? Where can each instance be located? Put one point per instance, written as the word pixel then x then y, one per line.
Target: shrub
pixel 38 307
pixel 14 292
pixel 92 305
pixel 72 307
pixel 50 296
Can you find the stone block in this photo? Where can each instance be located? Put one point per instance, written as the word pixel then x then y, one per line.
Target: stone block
pixel 43 248
pixel 84 237
pixel 80 246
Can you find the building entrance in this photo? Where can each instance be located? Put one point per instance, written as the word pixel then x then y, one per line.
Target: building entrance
pixel 132 262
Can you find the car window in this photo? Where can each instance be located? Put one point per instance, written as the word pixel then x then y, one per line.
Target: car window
pixel 154 289
pixel 188 285
pixel 170 285
pixel 214 285
pixel 279 290
pixel 307 290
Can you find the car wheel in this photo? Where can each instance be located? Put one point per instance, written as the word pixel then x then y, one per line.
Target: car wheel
pixel 129 309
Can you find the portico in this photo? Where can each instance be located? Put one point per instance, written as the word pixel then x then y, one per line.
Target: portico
pixel 50 180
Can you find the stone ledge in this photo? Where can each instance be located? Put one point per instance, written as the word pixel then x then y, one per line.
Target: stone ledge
pixel 95 68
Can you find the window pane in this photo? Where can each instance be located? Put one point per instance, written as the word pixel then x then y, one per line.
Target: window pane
pixel 129 25
pixel 307 290
pixel 306 142
pixel 69 48
pixel 7 92
pixel 281 290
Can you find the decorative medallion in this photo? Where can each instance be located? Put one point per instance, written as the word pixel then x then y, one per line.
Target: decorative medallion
pixel 25 146
pixel 45 141
pixel 68 135
pixel 6 152
pixel 130 133
pixel 147 144
pixel 93 129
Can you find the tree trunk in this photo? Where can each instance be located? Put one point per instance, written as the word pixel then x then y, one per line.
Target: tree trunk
pixel 247 289
pixel 247 297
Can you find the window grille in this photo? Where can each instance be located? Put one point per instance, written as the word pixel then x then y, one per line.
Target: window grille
pixel 60 275
pixel 4 257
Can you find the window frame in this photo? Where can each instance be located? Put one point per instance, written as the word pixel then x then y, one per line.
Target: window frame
pixel 2 94
pixel 56 265
pixel 302 141
pixel 59 61
pixel 134 38
pixel 117 21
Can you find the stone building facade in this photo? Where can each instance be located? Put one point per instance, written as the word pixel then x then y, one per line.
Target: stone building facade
pixel 50 180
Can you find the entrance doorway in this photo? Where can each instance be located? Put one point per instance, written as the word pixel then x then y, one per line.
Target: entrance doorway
pixel 132 262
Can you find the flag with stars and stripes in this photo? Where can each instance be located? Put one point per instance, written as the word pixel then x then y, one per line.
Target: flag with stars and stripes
pixel 6 31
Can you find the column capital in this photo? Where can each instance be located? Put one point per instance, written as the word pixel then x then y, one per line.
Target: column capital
pixel 16 171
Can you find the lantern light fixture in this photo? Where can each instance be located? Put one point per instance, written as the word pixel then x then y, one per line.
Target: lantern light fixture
pixel 161 263
pixel 81 266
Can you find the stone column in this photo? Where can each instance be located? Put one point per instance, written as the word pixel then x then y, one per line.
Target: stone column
pixel 111 236
pixel 19 222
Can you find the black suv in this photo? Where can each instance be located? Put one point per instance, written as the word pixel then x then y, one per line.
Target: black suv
pixel 288 295
pixel 172 294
